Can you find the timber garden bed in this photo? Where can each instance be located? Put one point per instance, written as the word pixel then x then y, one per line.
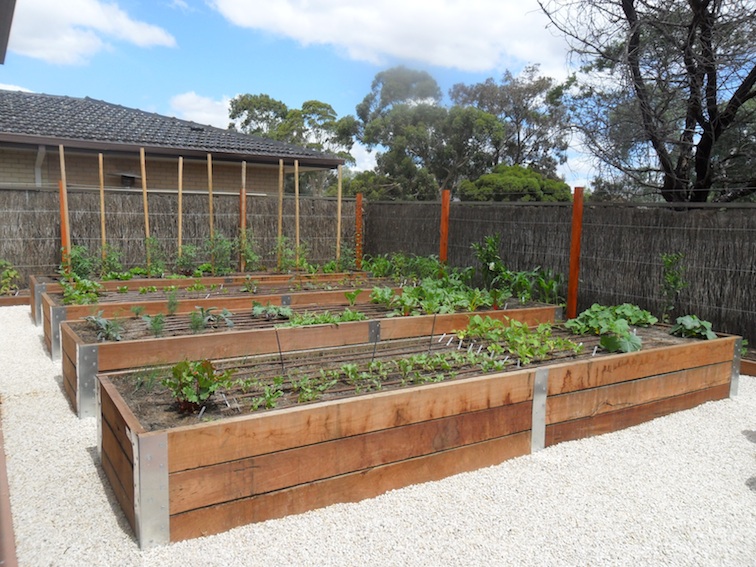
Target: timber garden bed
pixel 230 466
pixel 112 304
pixel 83 355
pixel 40 284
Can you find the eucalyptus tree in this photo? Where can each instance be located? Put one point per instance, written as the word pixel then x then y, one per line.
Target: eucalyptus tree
pixel 666 89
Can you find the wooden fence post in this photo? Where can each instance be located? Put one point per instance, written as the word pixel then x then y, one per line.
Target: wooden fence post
pixel 180 205
pixel 577 231
pixel 280 213
pixel 143 164
pixel 338 214
pixel 210 194
pixel 358 232
pixel 443 252
pixel 296 213
pixel 65 226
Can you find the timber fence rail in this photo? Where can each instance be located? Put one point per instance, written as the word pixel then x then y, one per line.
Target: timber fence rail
pixel 30 224
pixel 621 249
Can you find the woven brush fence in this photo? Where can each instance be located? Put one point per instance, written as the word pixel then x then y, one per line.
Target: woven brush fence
pixel 30 225
pixel 621 256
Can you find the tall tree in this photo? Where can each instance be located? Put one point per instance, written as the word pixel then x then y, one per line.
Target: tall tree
pixel 316 125
pixel 536 130
pixel 666 88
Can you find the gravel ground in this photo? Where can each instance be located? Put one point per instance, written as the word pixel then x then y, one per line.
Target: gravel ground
pixel 680 490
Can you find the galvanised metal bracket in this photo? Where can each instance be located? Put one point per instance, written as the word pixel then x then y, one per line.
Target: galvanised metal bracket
pixel 559 314
pixel 151 498
pixel 39 289
pixel 98 401
pixel 286 300
pixel 538 424
pixel 374 331
pixel 735 376
pixel 86 380
pixel 57 316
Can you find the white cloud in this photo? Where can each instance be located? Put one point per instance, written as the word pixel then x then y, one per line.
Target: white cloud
pixel 14 88
pixel 201 109
pixel 73 31
pixel 469 35
pixel 365 160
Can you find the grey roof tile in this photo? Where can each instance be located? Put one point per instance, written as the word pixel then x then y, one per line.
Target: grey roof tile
pixel 66 120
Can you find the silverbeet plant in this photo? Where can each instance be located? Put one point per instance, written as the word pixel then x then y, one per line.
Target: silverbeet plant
pixel 192 383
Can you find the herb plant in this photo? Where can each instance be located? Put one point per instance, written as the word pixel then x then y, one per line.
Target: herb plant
pixel 690 326
pixel 107 329
pixel 9 277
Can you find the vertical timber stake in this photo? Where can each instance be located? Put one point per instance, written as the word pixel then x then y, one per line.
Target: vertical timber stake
pixel 443 251
pixel 102 205
pixel 65 225
pixel 577 232
pixel 338 215
pixel 143 164
pixel 243 217
pixel 296 213
pixel 180 205
pixel 358 232
pixel 210 193
pixel 280 212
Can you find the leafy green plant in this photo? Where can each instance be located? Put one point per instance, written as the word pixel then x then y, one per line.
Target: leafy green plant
pixel 487 254
pixel 9 277
pixel 107 329
pixel 143 290
pixel 172 303
pixel 690 326
pixel 220 250
pixel 326 317
pixel 269 399
pixel 191 383
pixel 351 296
pixel 79 262
pixel 673 282
pixel 270 312
pixel 285 255
pixel 186 262
pixel 249 285
pixel 196 286
pixel 156 257
pixel 78 291
pixel 156 323
pixel 111 261
pixel 613 324
pixel 122 289
pixel 248 250
pixel 204 318
pixel 137 310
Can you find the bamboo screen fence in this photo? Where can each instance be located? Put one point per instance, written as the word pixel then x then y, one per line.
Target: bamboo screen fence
pixel 621 252
pixel 30 224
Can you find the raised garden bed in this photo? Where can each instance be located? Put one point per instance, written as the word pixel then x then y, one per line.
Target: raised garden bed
pixel 39 285
pixel 207 477
pixel 231 297
pixel 83 358
pixel 20 298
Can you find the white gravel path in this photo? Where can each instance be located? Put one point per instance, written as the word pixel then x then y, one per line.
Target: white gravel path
pixel 680 490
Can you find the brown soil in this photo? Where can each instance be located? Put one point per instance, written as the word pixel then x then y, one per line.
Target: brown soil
pixel 156 409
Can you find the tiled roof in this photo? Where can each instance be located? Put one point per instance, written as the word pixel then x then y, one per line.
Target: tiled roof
pixel 86 123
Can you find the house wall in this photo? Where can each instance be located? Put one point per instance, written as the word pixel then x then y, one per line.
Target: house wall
pixel 17 167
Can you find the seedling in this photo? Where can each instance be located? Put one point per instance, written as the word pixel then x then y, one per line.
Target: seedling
pixel 351 296
pixel 192 383
pixel 107 329
pixel 156 323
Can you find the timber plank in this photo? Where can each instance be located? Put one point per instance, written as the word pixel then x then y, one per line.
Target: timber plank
pixel 118 415
pixel 627 417
pixel 224 482
pixel 347 488
pixel 119 471
pixel 748 367
pixel 611 369
pixel 246 436
pixel 605 399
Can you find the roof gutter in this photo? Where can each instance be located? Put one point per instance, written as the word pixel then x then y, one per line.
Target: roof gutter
pixel 329 162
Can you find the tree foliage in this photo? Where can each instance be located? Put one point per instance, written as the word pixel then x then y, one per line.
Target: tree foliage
pixel 514 183
pixel 535 130
pixel 666 93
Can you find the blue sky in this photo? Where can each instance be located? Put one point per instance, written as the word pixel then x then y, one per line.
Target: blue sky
pixel 188 58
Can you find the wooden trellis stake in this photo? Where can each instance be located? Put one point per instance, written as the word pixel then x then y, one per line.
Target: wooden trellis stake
pixel 102 204
pixel 243 216
pixel 296 212
pixel 143 164
pixel 65 225
pixel 577 232
pixel 180 205
pixel 280 212
pixel 358 232
pixel 210 191
pixel 338 216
